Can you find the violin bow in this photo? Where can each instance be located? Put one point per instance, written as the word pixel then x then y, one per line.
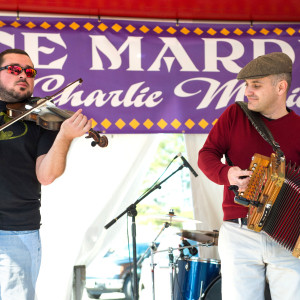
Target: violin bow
pixel 41 103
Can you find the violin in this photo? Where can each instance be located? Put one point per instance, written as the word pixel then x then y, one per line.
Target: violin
pixel 45 114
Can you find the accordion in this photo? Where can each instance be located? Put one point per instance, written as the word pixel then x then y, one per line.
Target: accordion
pixel 273 198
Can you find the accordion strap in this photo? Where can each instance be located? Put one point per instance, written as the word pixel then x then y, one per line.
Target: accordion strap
pixel 260 126
pixel 263 130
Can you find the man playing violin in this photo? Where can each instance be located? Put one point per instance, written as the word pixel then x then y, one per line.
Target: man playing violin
pixel 30 156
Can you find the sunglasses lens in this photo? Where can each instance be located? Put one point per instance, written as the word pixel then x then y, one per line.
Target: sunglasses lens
pixel 30 73
pixel 16 70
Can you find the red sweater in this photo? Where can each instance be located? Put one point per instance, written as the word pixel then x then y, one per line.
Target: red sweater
pixel 233 134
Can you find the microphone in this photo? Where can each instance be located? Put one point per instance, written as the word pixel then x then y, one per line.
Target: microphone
pixel 186 164
pixel 177 155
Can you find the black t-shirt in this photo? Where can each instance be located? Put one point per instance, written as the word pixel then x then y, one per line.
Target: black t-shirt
pixel 20 145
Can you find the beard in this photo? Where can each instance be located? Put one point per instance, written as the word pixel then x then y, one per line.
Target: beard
pixel 12 96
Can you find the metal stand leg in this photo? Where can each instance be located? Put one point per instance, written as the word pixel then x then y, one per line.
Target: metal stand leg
pixel 166 225
pixel 152 272
pixel 171 268
pixel 153 251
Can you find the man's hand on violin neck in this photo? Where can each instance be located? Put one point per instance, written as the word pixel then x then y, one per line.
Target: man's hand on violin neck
pixel 76 126
pixel 239 177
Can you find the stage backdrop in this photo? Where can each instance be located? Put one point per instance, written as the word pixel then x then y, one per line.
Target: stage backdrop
pixel 147 76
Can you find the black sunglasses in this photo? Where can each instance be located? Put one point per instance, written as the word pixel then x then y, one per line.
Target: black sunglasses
pixel 17 70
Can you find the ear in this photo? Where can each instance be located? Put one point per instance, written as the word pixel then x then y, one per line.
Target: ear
pixel 282 87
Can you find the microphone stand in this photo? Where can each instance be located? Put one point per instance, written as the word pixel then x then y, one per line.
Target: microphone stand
pixel 132 212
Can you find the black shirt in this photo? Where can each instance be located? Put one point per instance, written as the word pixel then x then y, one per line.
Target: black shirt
pixel 20 191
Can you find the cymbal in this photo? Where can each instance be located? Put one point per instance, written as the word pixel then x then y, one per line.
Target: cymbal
pixel 173 218
pixel 201 236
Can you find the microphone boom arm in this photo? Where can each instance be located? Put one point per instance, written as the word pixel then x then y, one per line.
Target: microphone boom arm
pixel 132 212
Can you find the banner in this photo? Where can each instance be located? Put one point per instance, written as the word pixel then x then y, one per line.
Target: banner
pixel 147 76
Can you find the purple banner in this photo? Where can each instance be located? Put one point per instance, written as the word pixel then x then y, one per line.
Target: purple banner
pixel 146 76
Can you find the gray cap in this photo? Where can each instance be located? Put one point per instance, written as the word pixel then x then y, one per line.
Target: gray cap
pixel 265 65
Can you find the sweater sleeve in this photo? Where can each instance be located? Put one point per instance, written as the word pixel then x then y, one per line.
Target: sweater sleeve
pixel 215 146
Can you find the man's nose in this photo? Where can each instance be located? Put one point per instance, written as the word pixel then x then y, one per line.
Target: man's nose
pixel 21 75
pixel 248 91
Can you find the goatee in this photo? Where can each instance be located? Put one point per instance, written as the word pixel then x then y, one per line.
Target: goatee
pixel 12 96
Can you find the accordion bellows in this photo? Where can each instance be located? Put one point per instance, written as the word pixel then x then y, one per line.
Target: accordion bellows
pixel 274 196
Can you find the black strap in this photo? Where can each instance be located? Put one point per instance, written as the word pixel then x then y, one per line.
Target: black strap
pixel 263 130
pixel 260 126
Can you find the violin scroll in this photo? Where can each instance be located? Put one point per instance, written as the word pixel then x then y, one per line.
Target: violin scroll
pixel 101 141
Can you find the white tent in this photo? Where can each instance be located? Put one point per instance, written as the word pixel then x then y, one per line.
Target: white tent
pixel 97 186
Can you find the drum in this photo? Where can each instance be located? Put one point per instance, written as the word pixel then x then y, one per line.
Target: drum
pixel 193 277
pixel 213 291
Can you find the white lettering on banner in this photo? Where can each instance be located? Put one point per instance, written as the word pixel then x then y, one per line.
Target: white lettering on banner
pixel 32 47
pixel 292 100
pixel 7 39
pixel 136 95
pixel 51 83
pixel 213 91
pixel 101 43
pixel 229 91
pixel 211 58
pixel 180 54
pixel 133 97
pixel 259 47
pixel 134 45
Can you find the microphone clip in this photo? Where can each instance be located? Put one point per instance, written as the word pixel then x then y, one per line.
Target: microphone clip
pixel 193 251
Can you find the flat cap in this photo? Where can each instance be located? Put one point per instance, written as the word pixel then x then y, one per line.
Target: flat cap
pixel 265 65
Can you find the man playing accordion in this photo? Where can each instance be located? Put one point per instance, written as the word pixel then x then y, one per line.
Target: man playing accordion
pixel 248 257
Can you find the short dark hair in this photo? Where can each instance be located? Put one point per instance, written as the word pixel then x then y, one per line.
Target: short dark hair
pixel 8 51
pixel 283 76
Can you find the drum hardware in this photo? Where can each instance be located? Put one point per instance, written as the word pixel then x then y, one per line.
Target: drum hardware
pixel 174 269
pixel 171 217
pixel 153 249
pixel 205 237
pixel 180 248
pixel 192 250
pixel 187 267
